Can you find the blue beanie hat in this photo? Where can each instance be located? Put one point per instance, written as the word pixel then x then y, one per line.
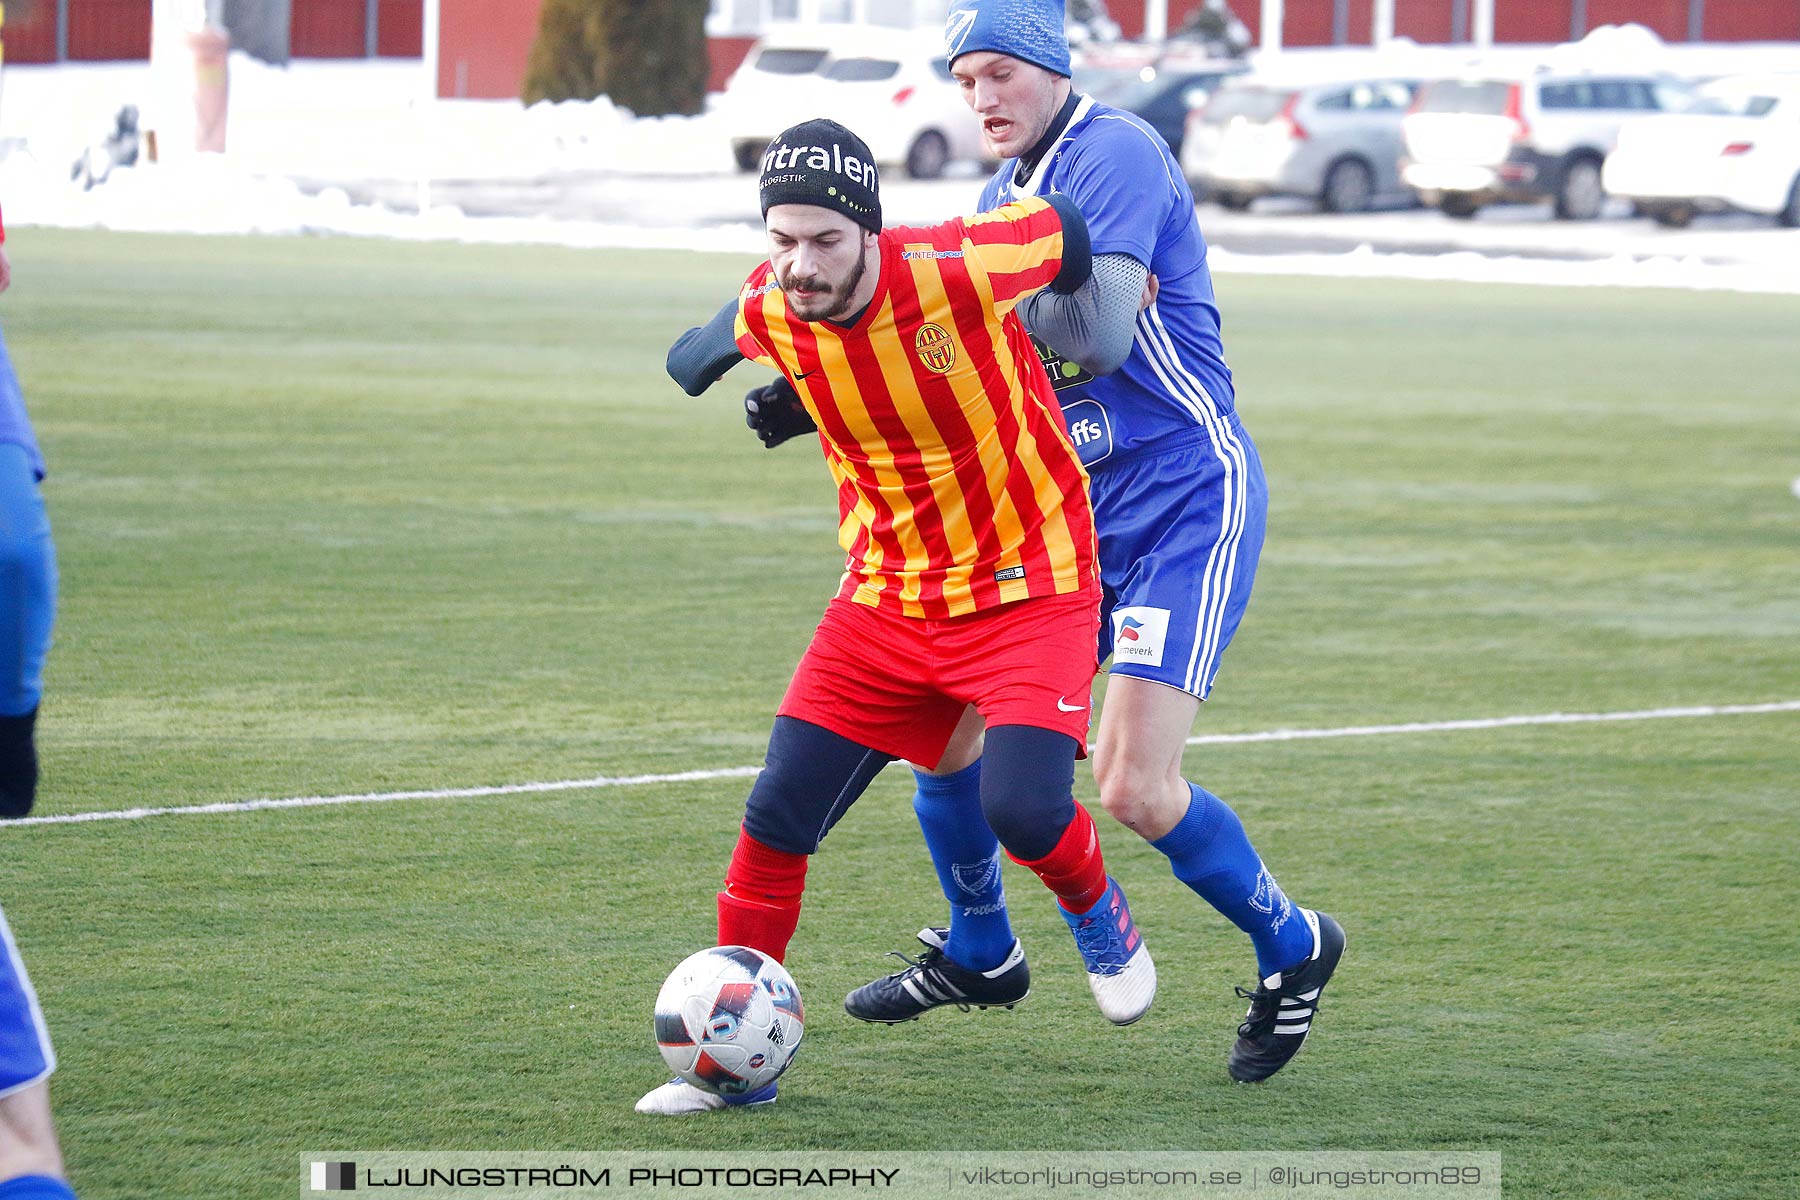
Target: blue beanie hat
pixel 1031 30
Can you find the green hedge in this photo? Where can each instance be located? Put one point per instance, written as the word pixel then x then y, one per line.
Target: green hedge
pixel 645 55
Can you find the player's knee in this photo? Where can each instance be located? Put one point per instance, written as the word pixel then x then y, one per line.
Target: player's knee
pixel 775 817
pixel 1126 806
pixel 1133 790
pixel 1028 788
pixel 1028 823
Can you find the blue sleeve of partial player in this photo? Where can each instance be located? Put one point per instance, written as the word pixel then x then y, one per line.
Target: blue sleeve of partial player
pixel 1119 175
pixel 704 353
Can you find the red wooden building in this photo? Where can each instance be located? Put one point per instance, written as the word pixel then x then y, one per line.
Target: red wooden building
pixel 484 43
pixel 1531 22
pixel 47 31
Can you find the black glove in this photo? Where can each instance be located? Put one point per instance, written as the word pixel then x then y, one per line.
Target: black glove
pixel 776 414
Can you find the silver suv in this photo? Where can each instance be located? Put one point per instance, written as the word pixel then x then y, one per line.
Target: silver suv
pixel 1474 141
pixel 1336 143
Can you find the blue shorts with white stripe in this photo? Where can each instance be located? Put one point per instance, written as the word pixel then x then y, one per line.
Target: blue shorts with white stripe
pixel 25 1053
pixel 1180 533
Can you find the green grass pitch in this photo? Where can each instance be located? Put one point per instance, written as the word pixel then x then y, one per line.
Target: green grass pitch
pixel 339 516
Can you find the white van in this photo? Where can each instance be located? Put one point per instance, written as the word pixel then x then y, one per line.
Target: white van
pixel 1470 142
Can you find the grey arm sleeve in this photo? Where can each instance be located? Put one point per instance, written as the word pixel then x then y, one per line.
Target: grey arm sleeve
pixel 704 353
pixel 1093 325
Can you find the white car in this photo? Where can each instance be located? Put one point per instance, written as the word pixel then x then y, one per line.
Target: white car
pixel 1737 149
pixel 892 88
pixel 1473 141
pixel 774 88
pixel 1337 143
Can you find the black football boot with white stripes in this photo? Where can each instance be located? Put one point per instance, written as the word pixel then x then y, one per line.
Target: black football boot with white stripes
pixel 1283 1006
pixel 934 979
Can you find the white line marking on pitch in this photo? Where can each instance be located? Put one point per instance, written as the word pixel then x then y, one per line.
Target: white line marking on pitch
pixel 1648 714
pixel 612 781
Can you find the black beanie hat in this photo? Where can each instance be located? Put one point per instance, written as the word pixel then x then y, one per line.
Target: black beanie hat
pixel 820 162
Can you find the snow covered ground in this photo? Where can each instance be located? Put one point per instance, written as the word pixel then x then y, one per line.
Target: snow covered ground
pixel 351 148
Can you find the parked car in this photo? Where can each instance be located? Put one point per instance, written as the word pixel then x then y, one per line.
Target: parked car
pixel 892 87
pixel 1337 143
pixel 904 102
pixel 772 89
pixel 1162 92
pixel 1470 142
pixel 1737 148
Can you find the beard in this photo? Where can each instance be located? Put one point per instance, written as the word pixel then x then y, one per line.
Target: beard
pixel 831 302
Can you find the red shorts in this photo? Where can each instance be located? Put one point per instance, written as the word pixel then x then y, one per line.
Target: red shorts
pixel 899 684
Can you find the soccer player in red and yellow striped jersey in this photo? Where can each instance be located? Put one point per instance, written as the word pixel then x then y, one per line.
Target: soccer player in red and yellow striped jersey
pixel 957 485
pixel 972 576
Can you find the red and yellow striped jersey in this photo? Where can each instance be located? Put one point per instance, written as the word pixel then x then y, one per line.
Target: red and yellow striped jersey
pixel 958 489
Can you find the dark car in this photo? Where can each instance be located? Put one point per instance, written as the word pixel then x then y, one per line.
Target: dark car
pixel 1160 92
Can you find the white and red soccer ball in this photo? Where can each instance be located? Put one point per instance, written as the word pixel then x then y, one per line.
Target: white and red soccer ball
pixel 729 1019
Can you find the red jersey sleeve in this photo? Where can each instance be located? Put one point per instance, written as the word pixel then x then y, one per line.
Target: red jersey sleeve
pixel 1019 246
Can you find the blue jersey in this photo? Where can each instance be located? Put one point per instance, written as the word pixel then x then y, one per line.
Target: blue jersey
pixel 1175 388
pixel 15 427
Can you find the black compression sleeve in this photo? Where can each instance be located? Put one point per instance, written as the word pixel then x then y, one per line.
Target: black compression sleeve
pixel 704 353
pixel 1078 255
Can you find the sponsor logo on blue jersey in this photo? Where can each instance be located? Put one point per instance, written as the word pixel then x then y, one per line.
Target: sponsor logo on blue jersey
pixel 1064 373
pixel 1139 633
pixel 1089 430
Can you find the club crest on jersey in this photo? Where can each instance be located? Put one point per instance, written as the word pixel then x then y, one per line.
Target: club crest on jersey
pixel 935 348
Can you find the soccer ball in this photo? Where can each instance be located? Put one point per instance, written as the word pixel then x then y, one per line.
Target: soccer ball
pixel 728 1020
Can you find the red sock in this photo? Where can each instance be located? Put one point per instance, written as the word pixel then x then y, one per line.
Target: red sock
pixel 1074 870
pixel 760 906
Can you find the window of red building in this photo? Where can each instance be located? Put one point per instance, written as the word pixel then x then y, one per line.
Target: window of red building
pixel 30 33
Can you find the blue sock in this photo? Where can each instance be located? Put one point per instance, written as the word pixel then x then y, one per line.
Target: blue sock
pixel 967 857
pixel 35 1187
pixel 27 583
pixel 1210 852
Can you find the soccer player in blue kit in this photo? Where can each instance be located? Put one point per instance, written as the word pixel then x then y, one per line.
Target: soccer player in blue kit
pixel 31 1166
pixel 1179 501
pixel 27 586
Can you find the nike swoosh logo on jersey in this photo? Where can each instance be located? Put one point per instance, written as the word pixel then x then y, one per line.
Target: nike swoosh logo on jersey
pixel 1061 707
